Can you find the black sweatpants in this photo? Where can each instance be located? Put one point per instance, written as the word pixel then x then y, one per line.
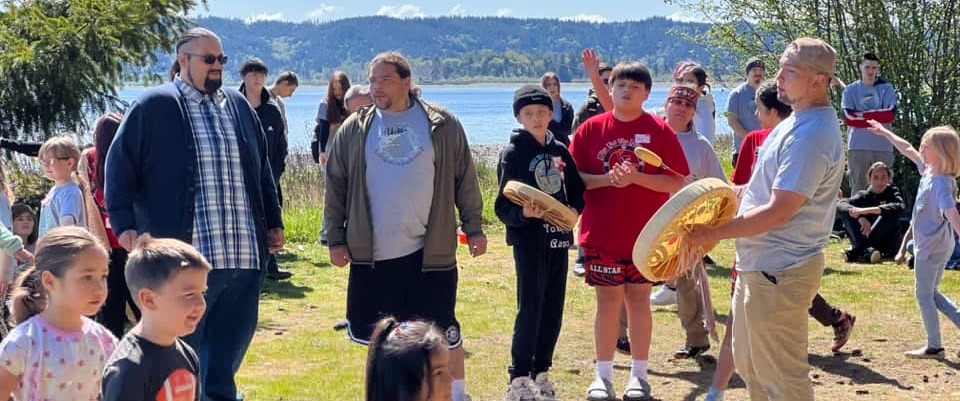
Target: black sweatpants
pixel 885 237
pixel 541 291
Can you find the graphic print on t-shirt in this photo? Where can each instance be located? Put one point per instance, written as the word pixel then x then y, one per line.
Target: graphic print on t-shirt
pixel 181 385
pixel 621 150
pixel 547 174
pixel 398 144
pixel 870 101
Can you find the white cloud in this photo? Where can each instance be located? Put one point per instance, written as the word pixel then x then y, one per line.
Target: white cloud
pixel 264 17
pixel 324 10
pixel 404 11
pixel 686 16
pixel 457 10
pixel 595 18
pixel 504 12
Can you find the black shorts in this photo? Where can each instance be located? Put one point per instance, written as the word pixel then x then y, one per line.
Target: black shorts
pixel 400 288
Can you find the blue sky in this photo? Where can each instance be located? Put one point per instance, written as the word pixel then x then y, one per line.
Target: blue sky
pixel 325 10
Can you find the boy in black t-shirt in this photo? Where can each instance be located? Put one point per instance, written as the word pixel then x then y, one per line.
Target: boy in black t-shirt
pixel 167 279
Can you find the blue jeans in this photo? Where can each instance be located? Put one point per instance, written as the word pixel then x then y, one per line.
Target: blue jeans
pixel 928 270
pixel 225 332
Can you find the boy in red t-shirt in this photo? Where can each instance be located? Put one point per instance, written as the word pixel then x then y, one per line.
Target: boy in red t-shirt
pixel 622 194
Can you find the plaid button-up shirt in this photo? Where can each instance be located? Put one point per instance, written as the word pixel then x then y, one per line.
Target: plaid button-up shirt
pixel 223 225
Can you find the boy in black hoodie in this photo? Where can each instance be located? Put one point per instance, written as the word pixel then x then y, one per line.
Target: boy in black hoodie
pixel 534 157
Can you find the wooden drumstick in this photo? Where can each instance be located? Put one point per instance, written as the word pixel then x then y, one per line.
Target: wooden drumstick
pixel 648 157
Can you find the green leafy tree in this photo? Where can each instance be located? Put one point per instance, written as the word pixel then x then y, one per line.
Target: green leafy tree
pixel 62 59
pixel 918 42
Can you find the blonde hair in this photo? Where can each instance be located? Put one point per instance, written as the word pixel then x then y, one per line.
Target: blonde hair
pixel 64 147
pixel 56 253
pixel 946 143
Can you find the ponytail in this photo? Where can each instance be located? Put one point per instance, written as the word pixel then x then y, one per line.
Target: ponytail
pixel 28 297
pixel 398 360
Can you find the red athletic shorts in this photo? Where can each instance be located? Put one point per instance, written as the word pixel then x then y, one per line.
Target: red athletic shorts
pixel 605 271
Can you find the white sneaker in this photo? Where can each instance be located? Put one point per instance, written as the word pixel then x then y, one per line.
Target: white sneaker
pixel 545 389
pixel 665 296
pixel 521 389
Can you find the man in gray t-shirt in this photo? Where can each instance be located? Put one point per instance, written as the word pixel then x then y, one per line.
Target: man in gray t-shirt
pixel 869 98
pixel 400 183
pixel 742 105
pixel 782 227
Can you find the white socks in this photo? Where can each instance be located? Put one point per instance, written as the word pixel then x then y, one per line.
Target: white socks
pixel 638 369
pixel 459 389
pixel 605 370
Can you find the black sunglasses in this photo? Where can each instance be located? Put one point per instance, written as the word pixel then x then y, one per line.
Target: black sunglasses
pixel 210 59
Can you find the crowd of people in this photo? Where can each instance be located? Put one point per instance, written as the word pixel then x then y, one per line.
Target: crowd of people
pixel 789 163
pixel 186 246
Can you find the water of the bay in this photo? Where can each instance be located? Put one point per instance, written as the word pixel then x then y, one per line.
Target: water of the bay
pixel 484 110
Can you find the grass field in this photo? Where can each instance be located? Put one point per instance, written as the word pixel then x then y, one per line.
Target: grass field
pixel 297 355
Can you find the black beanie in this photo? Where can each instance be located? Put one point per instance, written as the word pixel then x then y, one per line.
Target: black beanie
pixel 530 94
pixel 754 63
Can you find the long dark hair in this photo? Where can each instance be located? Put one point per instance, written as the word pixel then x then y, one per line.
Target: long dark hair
pixel 398 359
pixel 336 111
pixel 103 135
pixel 19 209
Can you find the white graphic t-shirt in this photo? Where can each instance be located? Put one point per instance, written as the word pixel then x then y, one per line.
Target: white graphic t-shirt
pixel 400 172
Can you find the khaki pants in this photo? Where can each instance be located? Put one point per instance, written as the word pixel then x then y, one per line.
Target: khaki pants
pixel 690 309
pixel 770 331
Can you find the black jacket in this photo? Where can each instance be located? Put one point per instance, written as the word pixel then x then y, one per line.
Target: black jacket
pixel 890 202
pixel 525 160
pixel 561 130
pixel 152 168
pixel 272 121
pixel 590 107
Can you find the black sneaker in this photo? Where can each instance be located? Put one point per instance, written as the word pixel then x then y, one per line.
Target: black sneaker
pixel 708 261
pixel 279 275
pixel 689 352
pixel 623 345
pixel 850 256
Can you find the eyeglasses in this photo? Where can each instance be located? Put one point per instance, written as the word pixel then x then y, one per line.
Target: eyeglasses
pixel 50 162
pixel 210 59
pixel 682 103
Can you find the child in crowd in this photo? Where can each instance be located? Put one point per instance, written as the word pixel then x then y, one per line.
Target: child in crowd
pixel 56 352
pixel 168 278
pixel 680 110
pixel 871 217
pixel 63 205
pixel 622 195
pixel 540 250
pixel 934 221
pixel 408 361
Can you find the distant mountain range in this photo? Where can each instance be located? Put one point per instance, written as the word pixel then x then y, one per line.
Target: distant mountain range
pixel 457 49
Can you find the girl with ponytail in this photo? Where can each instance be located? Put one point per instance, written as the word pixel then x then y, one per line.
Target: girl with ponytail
pixel 408 361
pixel 64 204
pixel 56 352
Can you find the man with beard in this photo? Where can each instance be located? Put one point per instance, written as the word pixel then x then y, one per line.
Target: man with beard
pixel 190 162
pixel 742 106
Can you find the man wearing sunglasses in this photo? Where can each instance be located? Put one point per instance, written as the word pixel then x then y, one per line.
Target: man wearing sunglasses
pixel 190 162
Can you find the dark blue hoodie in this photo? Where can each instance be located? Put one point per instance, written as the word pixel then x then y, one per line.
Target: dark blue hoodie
pixel 549 168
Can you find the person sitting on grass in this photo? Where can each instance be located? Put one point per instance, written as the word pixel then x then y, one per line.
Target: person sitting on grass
pixel 408 361
pixel 871 217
